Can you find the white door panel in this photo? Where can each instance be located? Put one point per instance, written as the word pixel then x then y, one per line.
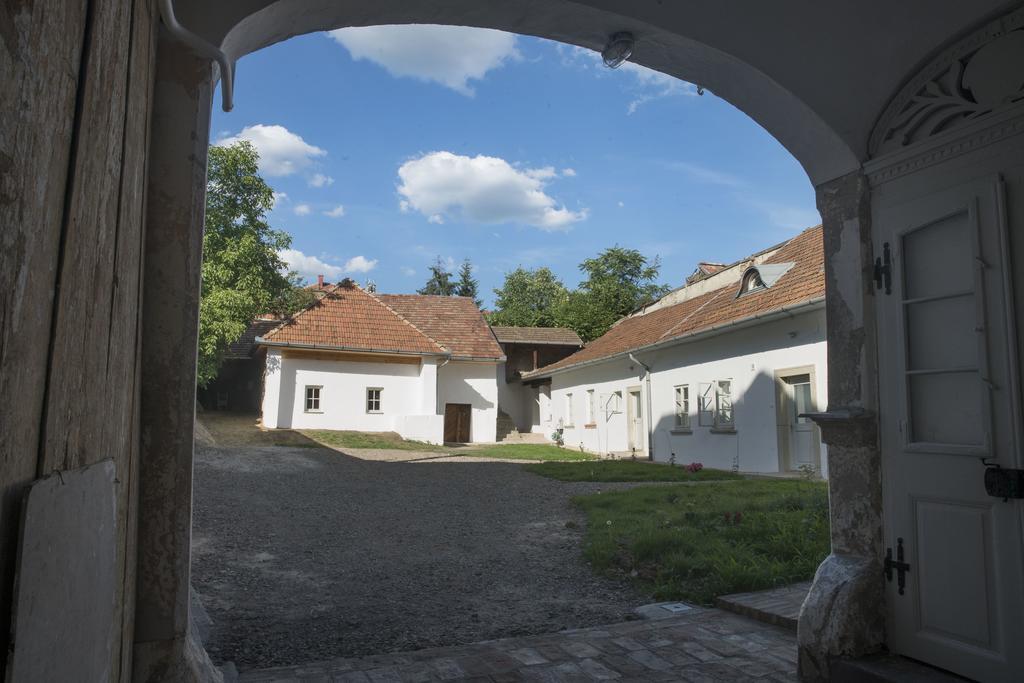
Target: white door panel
pixel 946 411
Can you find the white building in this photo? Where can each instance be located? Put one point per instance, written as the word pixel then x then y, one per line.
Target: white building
pixel 716 372
pixel 423 366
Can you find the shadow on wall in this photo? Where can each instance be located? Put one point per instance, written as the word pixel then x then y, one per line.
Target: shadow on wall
pixel 751 446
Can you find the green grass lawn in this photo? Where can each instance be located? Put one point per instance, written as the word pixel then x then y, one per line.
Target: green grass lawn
pixel 526 451
pixel 343 439
pixel 687 543
pixel 624 470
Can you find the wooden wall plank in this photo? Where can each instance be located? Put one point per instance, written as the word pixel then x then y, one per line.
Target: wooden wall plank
pixel 75 414
pixel 40 52
pixel 124 351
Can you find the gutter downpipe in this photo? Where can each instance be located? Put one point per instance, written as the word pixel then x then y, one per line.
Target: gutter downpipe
pixel 650 416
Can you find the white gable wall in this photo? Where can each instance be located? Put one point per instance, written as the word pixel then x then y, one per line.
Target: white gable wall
pixel 749 357
pixel 475 383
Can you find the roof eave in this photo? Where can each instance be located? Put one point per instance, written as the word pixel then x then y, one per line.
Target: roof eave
pixel 714 330
pixel 351 349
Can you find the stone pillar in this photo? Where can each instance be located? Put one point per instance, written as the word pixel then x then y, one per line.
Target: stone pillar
pixel 180 119
pixel 844 613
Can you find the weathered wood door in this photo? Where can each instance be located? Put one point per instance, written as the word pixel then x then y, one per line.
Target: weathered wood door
pixel 457 418
pixel 950 408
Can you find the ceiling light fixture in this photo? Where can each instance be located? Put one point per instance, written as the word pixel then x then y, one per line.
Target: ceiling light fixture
pixel 618 49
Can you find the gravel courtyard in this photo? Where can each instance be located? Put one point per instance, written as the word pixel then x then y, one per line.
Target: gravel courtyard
pixel 307 554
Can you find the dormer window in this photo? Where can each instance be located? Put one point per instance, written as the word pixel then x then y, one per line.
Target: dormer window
pixel 763 276
pixel 751 282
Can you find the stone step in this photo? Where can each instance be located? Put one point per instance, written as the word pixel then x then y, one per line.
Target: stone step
pixel 779 606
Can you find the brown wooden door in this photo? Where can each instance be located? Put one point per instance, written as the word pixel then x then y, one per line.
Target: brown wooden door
pixel 456 422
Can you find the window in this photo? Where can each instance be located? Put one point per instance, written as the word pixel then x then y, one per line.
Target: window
pixel 751 282
pixel 683 407
pixel 706 405
pixel 313 398
pixel 723 405
pixel 568 410
pixel 373 399
pixel 715 405
pixel 591 408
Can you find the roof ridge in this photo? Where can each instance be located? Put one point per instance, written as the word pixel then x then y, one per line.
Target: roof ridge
pixel 292 316
pixel 401 317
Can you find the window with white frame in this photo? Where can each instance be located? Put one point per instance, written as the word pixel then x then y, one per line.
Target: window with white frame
pixel 591 408
pixel 723 405
pixel 714 405
pixel 682 406
pixel 706 405
pixel 313 398
pixel 568 410
pixel 373 399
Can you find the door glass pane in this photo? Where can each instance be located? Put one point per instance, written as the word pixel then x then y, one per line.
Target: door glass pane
pixel 938 258
pixel 940 334
pixel 802 398
pixel 947 408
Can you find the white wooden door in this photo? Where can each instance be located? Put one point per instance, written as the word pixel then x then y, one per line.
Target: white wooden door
pixel 949 405
pixel 803 442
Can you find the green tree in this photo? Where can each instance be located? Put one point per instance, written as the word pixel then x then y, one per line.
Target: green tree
pixel 440 280
pixel 619 281
pixel 243 274
pixel 529 298
pixel 467 285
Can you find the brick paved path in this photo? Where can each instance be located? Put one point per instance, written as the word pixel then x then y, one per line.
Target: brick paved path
pixel 699 645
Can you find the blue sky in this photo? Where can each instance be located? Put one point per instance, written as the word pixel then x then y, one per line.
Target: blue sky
pixel 391 146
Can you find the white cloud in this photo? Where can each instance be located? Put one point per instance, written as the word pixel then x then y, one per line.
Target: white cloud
pixel 407 271
pixel 282 152
pixel 645 84
pixel 302 209
pixel 706 175
pixel 481 189
pixel 308 267
pixel 569 172
pixel 621 204
pixel 545 173
pixel 787 216
pixel 279 198
pixel 360 264
pixel 436 219
pixel 320 180
pixel 449 55
pixel 336 212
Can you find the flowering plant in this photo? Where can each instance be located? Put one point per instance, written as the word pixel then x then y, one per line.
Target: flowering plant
pixel 694 467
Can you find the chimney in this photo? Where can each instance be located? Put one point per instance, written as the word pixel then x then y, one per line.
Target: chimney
pixel 319 281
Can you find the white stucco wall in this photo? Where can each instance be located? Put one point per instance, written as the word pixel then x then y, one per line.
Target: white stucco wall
pixel 474 383
pixel 749 357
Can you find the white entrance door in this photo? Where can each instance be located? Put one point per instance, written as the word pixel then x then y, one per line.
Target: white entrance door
pixel 948 406
pixel 635 416
pixel 803 439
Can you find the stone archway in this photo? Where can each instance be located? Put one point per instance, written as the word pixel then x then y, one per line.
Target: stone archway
pixel 713 56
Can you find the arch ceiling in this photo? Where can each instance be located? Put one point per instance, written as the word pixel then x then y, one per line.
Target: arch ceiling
pixel 816 75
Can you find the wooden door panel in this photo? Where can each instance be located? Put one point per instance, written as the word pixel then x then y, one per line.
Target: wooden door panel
pixel 945 411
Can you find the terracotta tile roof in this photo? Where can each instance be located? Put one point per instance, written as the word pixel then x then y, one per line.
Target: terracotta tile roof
pixel 804 282
pixel 453 321
pixel 536 335
pixel 350 318
pixel 243 347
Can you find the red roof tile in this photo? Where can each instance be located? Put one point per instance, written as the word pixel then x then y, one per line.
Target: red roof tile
pixel 536 335
pixel 804 282
pixel 453 321
pixel 348 317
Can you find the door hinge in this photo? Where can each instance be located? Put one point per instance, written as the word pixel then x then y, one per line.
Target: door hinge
pixel 883 270
pixel 901 567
